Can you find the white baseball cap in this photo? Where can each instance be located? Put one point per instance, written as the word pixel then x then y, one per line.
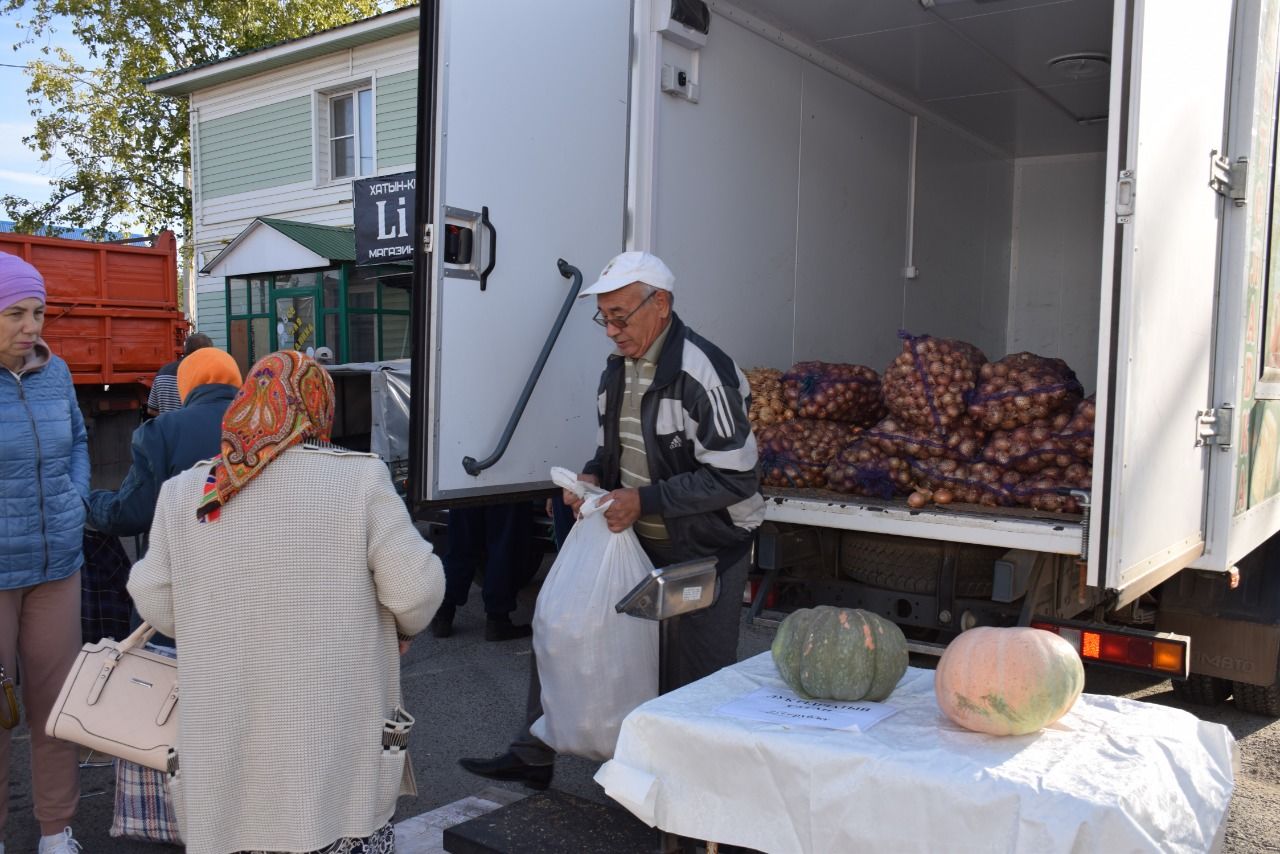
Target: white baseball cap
pixel 631 267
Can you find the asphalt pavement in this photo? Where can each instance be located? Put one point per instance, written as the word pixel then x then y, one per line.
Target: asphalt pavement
pixel 468 696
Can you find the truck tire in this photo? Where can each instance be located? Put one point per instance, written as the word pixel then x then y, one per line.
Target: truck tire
pixel 1258 699
pixel 914 566
pixel 1202 690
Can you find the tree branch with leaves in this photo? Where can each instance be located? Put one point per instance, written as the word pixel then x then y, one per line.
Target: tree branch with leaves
pixel 125 148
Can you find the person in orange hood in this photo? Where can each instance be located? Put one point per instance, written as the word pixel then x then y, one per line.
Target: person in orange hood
pixel 208 380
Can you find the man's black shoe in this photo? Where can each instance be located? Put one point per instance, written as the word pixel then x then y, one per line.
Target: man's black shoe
pixel 442 623
pixel 505 630
pixel 508 766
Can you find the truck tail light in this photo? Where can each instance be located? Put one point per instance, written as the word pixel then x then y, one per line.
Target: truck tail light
pixel 1162 653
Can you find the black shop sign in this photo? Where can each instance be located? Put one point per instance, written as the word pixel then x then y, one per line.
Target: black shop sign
pixel 383 211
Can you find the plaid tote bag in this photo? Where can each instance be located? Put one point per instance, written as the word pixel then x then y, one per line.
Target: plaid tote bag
pixel 144 809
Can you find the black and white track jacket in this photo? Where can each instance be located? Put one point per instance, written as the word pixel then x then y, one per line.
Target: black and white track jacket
pixel 702 454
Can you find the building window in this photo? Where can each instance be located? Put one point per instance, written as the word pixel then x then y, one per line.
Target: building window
pixel 351 145
pixel 248 323
pixel 361 313
pixel 378 313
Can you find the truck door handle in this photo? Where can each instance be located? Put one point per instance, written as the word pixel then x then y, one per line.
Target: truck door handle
pixel 460 244
pixel 493 246
pixel 569 271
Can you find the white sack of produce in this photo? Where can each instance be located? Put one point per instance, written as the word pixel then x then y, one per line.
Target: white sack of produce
pixel 928 384
pixel 795 454
pixel 1022 388
pixel 833 392
pixel 595 664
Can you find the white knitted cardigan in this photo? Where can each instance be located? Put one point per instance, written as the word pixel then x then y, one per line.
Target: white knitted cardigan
pixel 285 611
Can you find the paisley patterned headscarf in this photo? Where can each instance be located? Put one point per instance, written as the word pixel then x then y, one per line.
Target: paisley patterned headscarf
pixel 286 400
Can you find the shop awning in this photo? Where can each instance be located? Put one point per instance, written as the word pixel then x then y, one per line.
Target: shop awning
pixel 270 245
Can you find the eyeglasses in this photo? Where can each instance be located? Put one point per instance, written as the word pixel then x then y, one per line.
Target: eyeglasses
pixel 621 322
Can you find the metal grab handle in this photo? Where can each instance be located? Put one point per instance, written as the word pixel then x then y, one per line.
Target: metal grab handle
pixel 493 247
pixel 567 270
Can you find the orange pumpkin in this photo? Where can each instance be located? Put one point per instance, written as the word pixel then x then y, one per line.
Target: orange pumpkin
pixel 1008 681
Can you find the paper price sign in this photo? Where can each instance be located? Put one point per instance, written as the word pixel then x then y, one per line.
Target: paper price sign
pixel 782 706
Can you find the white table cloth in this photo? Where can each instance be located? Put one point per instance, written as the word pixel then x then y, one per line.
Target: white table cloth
pixel 1114 775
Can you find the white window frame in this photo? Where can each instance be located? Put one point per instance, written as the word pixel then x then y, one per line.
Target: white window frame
pixel 324 137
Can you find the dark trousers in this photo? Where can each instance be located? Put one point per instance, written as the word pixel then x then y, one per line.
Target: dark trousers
pixel 502 536
pixel 105 604
pixel 708 642
pixel 562 518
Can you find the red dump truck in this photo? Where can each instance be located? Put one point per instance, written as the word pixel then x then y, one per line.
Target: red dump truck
pixel 113 315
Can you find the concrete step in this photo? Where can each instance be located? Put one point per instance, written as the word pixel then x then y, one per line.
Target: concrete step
pixel 424 834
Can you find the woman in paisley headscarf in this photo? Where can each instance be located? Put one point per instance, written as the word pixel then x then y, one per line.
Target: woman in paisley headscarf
pixel 285 571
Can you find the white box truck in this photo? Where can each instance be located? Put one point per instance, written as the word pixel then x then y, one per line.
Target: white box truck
pixel 1085 179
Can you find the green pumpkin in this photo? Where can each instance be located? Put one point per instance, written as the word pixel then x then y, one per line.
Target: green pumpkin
pixel 831 653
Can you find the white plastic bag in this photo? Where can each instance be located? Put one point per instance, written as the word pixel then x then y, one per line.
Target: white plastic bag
pixel 595 664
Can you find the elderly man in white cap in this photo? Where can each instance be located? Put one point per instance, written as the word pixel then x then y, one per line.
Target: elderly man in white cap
pixel 677 451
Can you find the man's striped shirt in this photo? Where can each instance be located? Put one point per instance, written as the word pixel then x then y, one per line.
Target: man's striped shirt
pixel 164 395
pixel 635 460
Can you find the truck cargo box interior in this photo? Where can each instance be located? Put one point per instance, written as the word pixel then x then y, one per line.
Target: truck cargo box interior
pixel 938 170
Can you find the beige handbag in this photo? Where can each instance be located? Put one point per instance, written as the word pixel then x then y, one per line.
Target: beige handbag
pixel 121 700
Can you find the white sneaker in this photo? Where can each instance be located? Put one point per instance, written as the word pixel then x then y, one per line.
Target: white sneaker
pixel 61 843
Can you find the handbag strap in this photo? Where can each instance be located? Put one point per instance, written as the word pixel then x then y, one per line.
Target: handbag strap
pixel 8 701
pixel 139 637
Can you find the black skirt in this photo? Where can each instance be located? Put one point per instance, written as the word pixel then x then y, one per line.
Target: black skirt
pixel 383 841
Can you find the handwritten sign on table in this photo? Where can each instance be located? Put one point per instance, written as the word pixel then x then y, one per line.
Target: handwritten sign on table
pixel 781 706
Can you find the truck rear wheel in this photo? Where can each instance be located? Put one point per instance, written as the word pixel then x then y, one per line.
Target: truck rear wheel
pixel 1258 699
pixel 1203 690
pixel 914 566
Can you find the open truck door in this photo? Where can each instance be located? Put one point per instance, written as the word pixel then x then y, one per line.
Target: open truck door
pixel 1244 495
pixel 521 162
pixel 1170 86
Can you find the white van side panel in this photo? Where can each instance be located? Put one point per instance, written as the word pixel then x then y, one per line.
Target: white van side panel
pixel 782 203
pixel 852 229
pixel 963 222
pixel 1057 252
pixel 733 256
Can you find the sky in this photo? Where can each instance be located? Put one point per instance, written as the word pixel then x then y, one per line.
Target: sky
pixel 21 170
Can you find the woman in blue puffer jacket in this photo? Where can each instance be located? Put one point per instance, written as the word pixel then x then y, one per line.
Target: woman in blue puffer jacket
pixel 44 482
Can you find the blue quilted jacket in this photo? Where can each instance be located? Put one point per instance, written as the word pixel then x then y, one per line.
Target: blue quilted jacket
pixel 44 473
